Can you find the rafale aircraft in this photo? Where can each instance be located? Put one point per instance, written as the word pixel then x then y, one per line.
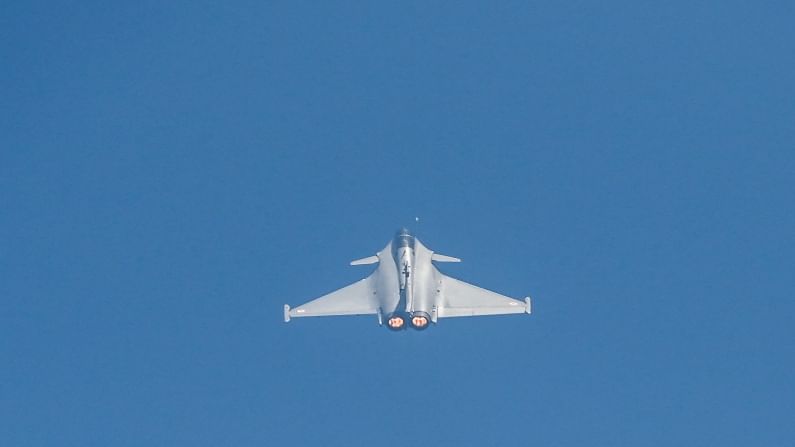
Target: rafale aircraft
pixel 407 286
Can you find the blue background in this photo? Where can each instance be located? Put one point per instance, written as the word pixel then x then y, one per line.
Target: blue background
pixel 172 174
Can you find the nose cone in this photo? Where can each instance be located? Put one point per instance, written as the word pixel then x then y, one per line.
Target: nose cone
pixel 403 238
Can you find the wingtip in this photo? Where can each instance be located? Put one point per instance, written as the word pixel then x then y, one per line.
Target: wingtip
pixel 286 313
pixel 528 308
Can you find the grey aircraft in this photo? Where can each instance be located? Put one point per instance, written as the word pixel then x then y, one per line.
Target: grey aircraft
pixel 406 289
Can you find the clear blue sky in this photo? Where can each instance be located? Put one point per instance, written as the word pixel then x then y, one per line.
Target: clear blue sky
pixel 172 173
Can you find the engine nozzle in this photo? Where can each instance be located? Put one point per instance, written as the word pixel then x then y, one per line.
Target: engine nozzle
pixel 420 320
pixel 396 323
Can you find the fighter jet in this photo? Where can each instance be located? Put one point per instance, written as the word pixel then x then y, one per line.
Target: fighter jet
pixel 406 289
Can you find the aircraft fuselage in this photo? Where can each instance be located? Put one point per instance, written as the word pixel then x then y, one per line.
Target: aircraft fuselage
pixel 414 278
